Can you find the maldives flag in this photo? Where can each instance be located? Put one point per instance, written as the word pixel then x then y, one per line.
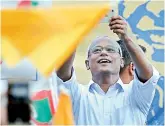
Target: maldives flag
pixel 44 100
pixel 27 3
pixel 42 107
pixel 34 3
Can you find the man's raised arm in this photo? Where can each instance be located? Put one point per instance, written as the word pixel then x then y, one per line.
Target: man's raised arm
pixel 65 72
pixel 143 67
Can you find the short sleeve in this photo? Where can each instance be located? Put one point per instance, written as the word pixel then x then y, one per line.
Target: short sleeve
pixel 73 86
pixel 143 93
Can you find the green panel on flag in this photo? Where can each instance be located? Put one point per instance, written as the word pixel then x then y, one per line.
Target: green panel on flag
pixel 34 3
pixel 42 109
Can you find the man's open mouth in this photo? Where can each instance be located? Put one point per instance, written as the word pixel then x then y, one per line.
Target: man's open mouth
pixel 104 61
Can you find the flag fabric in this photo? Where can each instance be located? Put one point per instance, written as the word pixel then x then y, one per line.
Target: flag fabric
pixel 27 3
pixel 47 36
pixel 44 100
pixel 64 114
pixel 24 3
pixel 42 108
pixel 47 107
pixel 34 3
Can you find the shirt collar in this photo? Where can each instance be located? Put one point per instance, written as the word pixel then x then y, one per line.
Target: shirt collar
pixel 119 84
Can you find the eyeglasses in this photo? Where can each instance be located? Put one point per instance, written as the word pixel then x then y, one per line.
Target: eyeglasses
pixel 109 49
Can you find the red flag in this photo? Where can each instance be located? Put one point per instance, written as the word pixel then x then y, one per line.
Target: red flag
pixel 24 3
pixel 27 3
pixel 42 103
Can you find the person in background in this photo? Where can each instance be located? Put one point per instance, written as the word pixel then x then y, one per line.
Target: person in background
pixel 127 72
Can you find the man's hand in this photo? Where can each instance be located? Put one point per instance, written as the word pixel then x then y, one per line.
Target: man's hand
pixel 119 26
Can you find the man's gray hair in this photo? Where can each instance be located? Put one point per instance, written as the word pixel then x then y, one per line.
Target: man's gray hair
pixel 99 39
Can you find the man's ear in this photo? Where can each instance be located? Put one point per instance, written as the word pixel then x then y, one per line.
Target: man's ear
pixel 122 62
pixel 87 64
pixel 131 68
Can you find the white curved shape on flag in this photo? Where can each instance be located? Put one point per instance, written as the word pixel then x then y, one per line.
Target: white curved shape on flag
pixel 54 89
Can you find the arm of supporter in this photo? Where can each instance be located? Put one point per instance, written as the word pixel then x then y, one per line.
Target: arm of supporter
pixel 143 93
pixel 142 65
pixel 144 70
pixel 146 76
pixel 67 77
pixel 65 72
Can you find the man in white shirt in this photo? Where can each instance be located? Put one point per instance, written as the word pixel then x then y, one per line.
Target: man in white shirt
pixel 106 100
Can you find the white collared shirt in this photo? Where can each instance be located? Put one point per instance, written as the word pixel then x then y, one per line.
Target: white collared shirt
pixel 121 105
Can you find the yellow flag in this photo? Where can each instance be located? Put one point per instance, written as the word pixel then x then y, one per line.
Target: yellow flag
pixel 47 36
pixel 64 114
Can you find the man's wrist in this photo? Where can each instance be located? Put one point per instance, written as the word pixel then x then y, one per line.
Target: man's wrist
pixel 127 39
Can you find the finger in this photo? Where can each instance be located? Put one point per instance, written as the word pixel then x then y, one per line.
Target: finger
pixel 117 17
pixel 117 26
pixel 114 18
pixel 117 22
pixel 111 19
pixel 118 31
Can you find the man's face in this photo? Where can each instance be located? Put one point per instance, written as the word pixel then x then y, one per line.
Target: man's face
pixel 104 58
